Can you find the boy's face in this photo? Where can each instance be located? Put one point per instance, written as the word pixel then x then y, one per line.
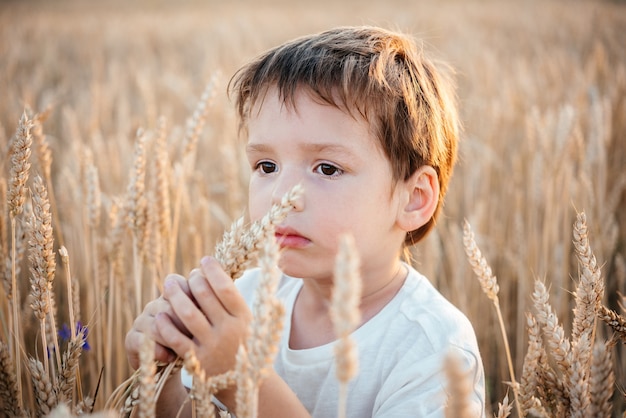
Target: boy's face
pixel 347 184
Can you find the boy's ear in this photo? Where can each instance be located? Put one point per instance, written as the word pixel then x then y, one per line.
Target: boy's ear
pixel 420 199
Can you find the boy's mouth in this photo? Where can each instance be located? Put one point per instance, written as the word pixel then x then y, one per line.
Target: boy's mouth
pixel 290 238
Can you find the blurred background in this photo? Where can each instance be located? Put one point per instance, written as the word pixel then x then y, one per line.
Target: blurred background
pixel 541 89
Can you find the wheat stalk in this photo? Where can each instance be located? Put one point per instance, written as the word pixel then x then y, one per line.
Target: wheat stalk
pixel 490 287
pixel 4 249
pixel 73 302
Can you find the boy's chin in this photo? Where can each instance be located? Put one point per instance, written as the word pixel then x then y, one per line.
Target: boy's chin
pixel 302 270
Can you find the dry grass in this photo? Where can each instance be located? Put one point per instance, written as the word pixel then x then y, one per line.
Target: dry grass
pixel 542 88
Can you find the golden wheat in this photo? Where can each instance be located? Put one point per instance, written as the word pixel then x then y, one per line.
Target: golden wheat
pixel 147 371
pixel 554 95
pixel 459 389
pixel 8 384
pixel 200 394
pixel 345 315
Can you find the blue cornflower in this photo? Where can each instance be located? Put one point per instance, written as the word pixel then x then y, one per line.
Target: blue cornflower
pixel 65 334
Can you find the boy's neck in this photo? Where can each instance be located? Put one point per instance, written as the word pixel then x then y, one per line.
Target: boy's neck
pixel 311 325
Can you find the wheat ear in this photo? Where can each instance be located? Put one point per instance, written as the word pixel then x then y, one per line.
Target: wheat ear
pixel 531 373
pixel 240 246
pixel 44 157
pixel 147 370
pixel 136 212
pixel 200 393
pixel 459 388
pixel 345 315
pixel 162 191
pixel 588 298
pixel 504 407
pixel 20 167
pixel 44 390
pixel 69 367
pixel 8 384
pixel 590 289
pixel 490 286
pixel 246 398
pixel 43 264
pixel 602 380
pixel 614 320
pixel 265 329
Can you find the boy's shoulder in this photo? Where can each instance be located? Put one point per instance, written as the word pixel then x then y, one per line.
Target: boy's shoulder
pixel 422 306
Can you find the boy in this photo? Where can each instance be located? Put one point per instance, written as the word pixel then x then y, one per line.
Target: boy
pixel 369 128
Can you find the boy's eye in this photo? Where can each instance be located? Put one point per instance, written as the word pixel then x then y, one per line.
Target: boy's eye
pixel 266 167
pixel 328 170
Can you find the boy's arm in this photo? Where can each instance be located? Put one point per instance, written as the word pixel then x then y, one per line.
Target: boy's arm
pixel 173 401
pixel 276 399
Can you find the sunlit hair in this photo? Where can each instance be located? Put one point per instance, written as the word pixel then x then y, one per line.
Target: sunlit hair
pixel 382 76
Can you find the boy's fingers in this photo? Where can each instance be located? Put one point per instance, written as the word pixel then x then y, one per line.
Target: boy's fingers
pixel 160 305
pixel 182 282
pixel 133 345
pixel 192 320
pixel 223 288
pixel 171 335
pixel 205 298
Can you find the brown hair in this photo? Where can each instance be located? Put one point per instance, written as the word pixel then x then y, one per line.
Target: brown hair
pixel 380 74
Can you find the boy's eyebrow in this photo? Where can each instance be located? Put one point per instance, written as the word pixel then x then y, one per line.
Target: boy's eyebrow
pixel 326 147
pixel 315 147
pixel 257 148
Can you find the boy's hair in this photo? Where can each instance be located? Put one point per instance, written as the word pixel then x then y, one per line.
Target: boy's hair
pixel 381 75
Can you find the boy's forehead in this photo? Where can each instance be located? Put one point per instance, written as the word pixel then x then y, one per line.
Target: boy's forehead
pixel 288 101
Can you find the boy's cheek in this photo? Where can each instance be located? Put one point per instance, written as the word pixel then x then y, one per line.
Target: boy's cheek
pixel 258 204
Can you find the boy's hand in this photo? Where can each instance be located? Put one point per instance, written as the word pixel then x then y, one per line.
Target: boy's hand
pixel 146 323
pixel 213 311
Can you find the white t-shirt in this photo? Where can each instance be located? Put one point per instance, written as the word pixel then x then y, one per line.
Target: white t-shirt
pixel 401 354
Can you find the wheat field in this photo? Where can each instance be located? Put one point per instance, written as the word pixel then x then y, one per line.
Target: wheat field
pixel 135 170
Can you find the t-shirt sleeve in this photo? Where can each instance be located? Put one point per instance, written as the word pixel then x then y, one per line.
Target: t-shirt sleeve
pixel 419 387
